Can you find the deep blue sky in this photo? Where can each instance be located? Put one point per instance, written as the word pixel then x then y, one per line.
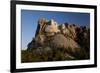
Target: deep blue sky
pixel 29 19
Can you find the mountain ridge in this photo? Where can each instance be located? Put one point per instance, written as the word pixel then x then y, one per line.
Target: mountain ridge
pixel 65 41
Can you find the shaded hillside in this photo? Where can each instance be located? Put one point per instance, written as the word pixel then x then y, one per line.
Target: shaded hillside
pixel 54 42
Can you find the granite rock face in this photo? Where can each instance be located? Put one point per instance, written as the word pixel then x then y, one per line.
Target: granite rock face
pixel 72 39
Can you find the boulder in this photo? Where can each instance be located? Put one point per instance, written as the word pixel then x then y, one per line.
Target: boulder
pixel 60 41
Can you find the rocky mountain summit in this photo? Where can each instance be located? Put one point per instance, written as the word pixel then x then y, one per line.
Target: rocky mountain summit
pixel 55 42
